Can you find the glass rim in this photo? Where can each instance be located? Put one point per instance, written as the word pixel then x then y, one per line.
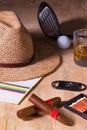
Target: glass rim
pixel 80 30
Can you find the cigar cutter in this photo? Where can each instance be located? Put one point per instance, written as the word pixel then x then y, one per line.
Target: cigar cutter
pixel 68 85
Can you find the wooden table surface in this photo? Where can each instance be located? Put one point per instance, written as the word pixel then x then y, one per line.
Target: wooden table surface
pixel 72 14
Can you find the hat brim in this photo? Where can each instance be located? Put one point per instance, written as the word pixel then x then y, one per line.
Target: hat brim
pixel 46 60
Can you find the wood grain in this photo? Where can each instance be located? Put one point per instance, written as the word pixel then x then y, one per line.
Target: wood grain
pixel 72 15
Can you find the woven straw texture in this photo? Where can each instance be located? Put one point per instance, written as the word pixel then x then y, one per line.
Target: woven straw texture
pixel 15 42
pixel 16 46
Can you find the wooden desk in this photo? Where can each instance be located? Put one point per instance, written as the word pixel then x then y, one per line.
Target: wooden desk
pixel 66 71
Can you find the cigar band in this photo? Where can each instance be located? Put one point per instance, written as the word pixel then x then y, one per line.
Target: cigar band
pixel 54 113
pixel 49 102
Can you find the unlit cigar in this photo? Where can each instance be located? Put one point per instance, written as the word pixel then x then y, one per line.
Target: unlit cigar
pixel 49 110
pixel 31 110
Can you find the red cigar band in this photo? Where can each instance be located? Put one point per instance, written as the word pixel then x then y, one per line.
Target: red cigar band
pixel 54 113
pixel 49 102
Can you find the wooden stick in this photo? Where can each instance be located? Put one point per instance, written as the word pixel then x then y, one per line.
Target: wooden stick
pixel 31 110
pixel 49 110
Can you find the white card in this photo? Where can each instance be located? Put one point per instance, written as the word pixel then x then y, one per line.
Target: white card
pixel 14 92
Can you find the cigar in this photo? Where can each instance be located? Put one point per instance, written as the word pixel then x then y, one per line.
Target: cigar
pixel 50 110
pixel 31 110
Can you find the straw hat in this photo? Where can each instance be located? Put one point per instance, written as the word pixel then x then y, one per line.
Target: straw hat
pixel 19 60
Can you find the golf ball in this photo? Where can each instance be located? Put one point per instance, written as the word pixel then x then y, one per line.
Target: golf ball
pixel 63 42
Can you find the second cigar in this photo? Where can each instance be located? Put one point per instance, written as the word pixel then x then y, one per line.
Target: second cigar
pixel 50 110
pixel 31 110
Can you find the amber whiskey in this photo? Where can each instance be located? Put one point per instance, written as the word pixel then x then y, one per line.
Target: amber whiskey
pixel 80 54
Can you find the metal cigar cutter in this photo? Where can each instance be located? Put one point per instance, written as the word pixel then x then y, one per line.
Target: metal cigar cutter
pixel 68 85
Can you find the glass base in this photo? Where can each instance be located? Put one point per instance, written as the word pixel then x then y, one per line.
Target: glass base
pixel 81 63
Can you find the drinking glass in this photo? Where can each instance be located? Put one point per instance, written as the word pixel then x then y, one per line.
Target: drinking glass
pixel 80 47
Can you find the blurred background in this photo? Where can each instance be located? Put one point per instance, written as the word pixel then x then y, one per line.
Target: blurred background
pixel 71 14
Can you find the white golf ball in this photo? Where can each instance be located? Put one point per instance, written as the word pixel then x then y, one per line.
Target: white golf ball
pixel 63 42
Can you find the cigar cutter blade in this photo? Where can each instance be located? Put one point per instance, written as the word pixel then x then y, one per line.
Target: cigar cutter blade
pixel 68 85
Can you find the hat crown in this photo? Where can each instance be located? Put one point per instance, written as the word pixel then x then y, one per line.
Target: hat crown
pixel 15 42
pixel 16 51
